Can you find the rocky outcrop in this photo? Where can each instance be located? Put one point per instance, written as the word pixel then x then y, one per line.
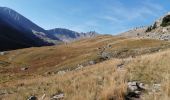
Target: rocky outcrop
pixel 135 90
pixel 160 29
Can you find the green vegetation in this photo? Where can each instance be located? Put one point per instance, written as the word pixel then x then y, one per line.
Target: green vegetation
pixel 149 29
pixel 166 21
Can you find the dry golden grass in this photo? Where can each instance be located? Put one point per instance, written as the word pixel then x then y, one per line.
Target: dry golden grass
pixel 67 56
pixel 152 69
pixel 102 81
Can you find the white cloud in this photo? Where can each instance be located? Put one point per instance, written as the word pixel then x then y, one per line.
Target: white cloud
pixel 91 25
pixel 111 18
pixel 119 11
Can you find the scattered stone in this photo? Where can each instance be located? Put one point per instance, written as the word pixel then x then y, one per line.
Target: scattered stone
pixel 105 55
pixel 135 90
pixel 24 68
pixel 120 65
pixel 2 53
pixel 109 46
pixel 58 97
pixel 32 98
pixel 136 86
pixel 61 72
pixel 79 67
pixel 91 62
pixel 156 87
pixel 132 96
pixel 48 73
pixel 99 48
pixel 3 92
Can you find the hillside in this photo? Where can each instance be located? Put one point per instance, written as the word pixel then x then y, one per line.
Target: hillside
pixel 159 30
pixel 88 69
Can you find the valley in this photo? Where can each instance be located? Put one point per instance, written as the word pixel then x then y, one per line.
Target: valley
pixel 85 69
pixel 62 64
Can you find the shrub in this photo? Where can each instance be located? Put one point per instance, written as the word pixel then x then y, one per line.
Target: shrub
pixel 166 21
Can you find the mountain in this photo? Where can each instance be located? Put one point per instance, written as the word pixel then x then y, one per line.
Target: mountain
pixel 160 29
pixel 67 35
pixel 16 31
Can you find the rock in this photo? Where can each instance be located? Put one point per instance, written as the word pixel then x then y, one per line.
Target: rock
pixel 99 48
pixel 156 87
pixel 2 53
pixel 135 90
pixel 32 98
pixel 61 72
pixel 79 67
pixel 109 46
pixel 3 92
pixel 24 68
pixel 132 96
pixel 91 62
pixel 58 96
pixel 133 86
pixel 120 65
pixel 105 55
pixel 48 73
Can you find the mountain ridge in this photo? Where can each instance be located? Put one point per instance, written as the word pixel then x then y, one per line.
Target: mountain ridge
pixel 16 31
pixel 67 35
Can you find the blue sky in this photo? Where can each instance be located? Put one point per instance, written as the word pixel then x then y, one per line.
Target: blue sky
pixel 103 16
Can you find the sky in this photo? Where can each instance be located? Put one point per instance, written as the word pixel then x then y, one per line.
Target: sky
pixel 102 16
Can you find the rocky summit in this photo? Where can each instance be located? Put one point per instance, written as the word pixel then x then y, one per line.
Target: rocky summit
pixel 159 30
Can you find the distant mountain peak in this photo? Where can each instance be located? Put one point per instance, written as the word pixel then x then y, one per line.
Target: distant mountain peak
pixel 10 12
pixel 67 35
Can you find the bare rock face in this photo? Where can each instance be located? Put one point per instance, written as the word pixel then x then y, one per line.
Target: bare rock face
pixel 162 22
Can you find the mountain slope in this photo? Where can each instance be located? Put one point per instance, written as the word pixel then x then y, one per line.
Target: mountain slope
pixel 159 30
pixel 69 35
pixel 81 69
pixel 17 31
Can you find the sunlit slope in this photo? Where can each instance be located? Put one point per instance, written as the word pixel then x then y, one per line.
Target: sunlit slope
pixel 69 56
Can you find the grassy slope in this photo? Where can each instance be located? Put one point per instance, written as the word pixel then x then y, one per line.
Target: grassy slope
pixel 101 81
pixel 70 55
